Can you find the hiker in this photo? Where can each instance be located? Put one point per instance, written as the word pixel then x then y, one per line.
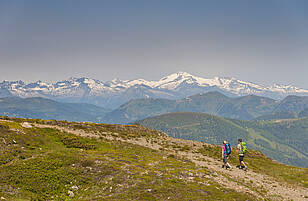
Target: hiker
pixel 225 152
pixel 241 150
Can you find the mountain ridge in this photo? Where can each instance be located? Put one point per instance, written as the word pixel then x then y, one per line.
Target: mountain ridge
pixel 246 107
pixel 112 94
pixel 42 108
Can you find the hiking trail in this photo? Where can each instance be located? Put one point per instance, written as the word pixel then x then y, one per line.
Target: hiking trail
pixel 260 185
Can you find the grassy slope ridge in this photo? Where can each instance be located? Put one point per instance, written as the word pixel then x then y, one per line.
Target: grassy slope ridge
pixel 46 164
pixel 49 109
pixel 49 164
pixel 283 140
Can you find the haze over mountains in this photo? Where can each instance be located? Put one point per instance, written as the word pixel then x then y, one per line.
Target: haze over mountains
pixel 112 94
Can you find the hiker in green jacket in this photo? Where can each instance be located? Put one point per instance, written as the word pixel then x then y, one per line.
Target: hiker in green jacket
pixel 241 150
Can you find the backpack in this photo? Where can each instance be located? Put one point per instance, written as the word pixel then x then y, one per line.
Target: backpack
pixel 244 148
pixel 228 148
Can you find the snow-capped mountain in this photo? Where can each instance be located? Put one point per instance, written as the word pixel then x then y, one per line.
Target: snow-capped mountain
pixel 113 93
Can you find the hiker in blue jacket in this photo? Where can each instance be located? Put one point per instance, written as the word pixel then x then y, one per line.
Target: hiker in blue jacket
pixel 225 152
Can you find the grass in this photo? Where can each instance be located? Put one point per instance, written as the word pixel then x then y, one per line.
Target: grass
pixel 46 164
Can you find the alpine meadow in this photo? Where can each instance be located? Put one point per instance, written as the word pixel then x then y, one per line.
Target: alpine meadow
pixel 153 100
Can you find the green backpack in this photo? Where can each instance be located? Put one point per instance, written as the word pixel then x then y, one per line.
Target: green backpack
pixel 244 148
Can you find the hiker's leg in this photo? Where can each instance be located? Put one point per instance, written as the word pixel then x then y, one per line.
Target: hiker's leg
pixel 242 161
pixel 224 162
pixel 241 158
pixel 243 164
pixel 227 163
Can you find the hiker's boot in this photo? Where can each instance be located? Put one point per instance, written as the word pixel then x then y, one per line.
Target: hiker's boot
pixel 245 168
pixel 223 166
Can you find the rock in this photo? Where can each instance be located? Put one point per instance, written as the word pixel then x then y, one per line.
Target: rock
pixel 208 176
pixel 26 125
pixel 70 193
pixel 190 178
pixel 74 187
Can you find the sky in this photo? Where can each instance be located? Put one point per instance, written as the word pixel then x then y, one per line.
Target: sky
pixel 264 41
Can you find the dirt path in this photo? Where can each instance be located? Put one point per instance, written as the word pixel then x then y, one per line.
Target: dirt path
pixel 259 185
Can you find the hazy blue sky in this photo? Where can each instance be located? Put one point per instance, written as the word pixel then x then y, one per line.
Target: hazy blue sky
pixel 260 41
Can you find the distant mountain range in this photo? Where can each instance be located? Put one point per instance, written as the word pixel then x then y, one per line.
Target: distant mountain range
pixel 249 107
pixel 283 140
pixel 112 94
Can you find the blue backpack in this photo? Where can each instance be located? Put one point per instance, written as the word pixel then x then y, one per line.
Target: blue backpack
pixel 228 148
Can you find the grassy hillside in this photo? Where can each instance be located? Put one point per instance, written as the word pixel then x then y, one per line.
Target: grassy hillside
pixel 47 164
pixel 48 109
pixel 283 140
pixel 196 126
pixel 57 160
